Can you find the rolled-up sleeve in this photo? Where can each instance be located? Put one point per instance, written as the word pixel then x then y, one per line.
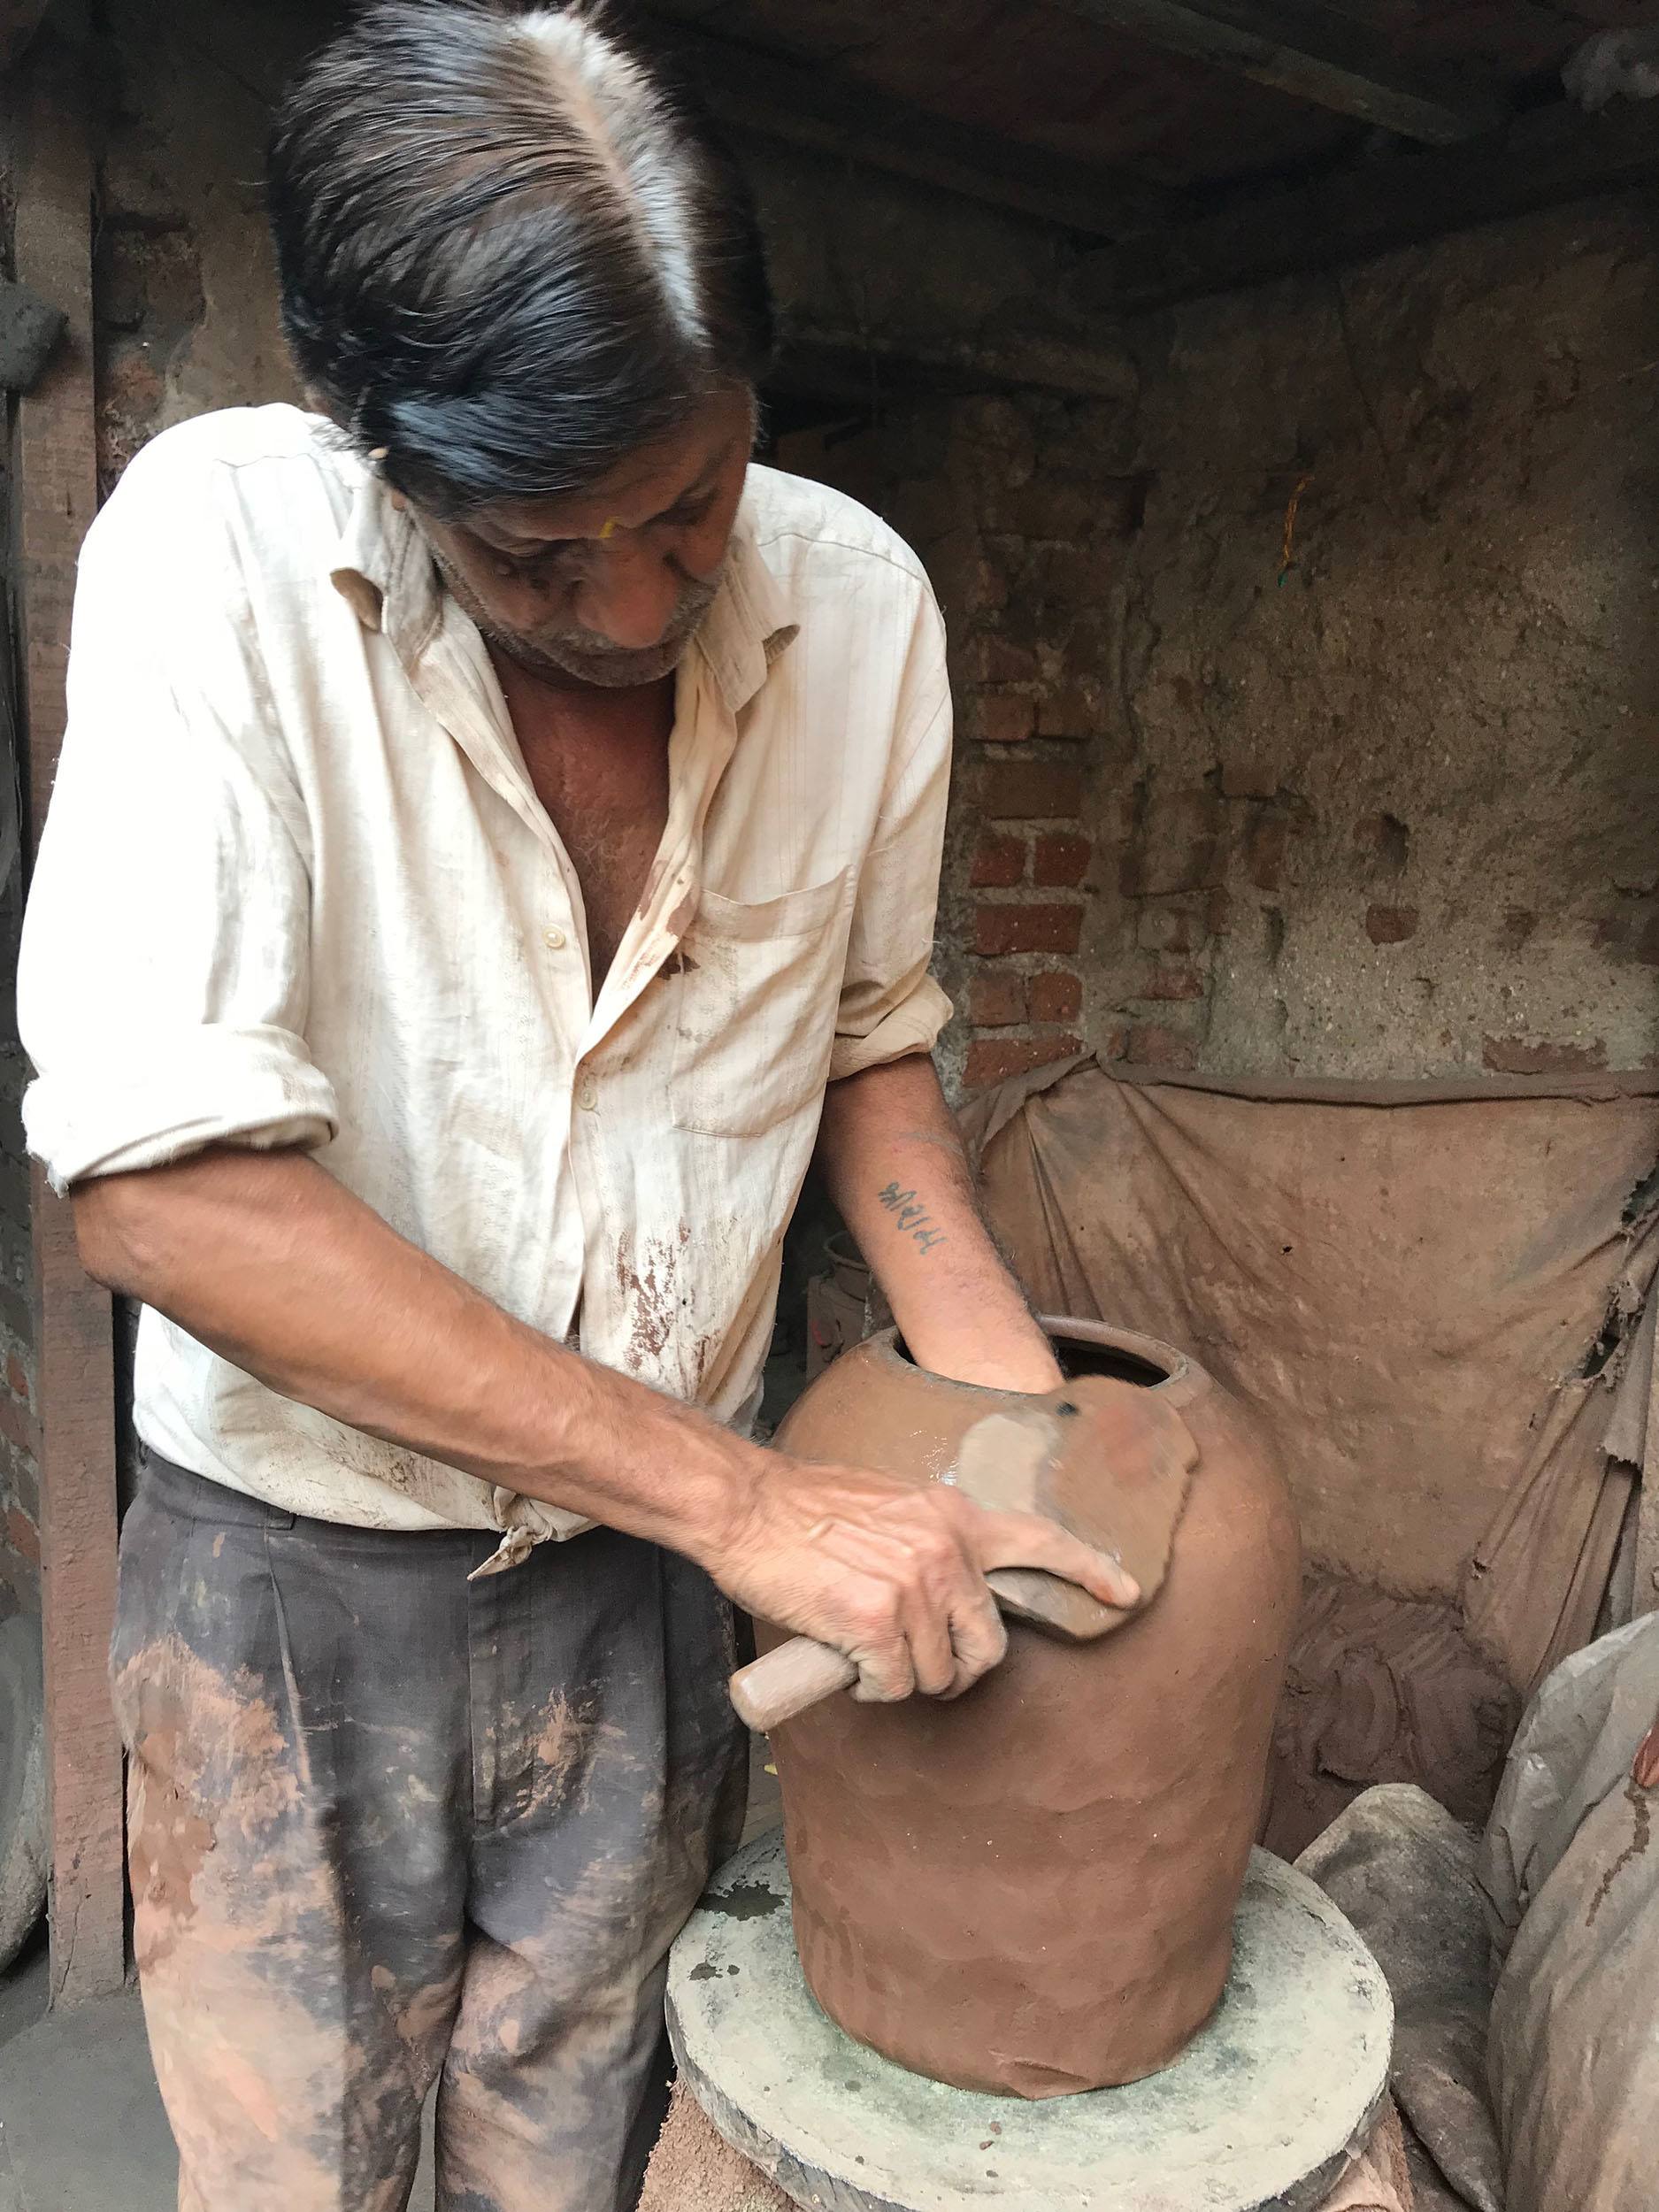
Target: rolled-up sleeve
pixel 163 980
pixel 890 1005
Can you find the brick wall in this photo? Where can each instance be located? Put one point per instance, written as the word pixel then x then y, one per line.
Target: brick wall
pixel 1392 811
pixel 1023 511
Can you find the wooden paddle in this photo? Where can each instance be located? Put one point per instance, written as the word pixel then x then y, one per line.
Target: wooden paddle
pixel 1111 1461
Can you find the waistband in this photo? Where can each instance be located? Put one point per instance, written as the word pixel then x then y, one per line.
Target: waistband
pixel 163 1482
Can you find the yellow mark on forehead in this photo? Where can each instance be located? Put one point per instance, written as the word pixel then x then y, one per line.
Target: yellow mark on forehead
pixel 614 524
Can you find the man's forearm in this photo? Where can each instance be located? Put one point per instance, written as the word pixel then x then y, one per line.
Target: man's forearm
pixel 893 1159
pixel 273 1263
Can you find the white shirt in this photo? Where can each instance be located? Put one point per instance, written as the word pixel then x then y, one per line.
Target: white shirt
pixel 295 888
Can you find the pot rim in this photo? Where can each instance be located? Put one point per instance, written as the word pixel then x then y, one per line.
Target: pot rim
pixel 1180 1370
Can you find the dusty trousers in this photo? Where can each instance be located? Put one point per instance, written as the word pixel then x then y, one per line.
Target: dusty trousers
pixel 388 1827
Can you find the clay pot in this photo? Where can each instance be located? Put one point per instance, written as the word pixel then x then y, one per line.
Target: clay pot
pixel 1030 1890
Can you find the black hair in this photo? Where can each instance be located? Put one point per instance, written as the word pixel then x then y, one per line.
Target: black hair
pixel 509 256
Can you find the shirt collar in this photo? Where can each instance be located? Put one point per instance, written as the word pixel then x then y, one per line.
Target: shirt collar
pixel 383 571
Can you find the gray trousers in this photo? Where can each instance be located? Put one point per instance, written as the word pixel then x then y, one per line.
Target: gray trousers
pixel 386 1825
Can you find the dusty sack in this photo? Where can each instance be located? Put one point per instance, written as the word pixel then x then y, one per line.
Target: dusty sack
pixel 1570 1874
pixel 1429 1294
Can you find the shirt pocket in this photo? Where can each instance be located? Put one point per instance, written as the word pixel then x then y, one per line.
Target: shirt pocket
pixel 759 986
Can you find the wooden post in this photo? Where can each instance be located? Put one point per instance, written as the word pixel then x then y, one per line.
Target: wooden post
pixel 1646 1596
pixel 57 492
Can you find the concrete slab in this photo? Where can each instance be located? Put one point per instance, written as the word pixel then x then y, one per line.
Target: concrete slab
pixel 24 1987
pixel 80 2116
pixel 81 2126
pixel 1260 2111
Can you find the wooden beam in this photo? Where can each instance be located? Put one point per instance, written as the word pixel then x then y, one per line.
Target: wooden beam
pixel 56 486
pixel 1298 47
pixel 860 367
pixel 792 104
pixel 1550 156
pixel 1645 1597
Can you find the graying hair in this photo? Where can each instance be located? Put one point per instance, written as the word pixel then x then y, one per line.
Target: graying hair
pixel 510 253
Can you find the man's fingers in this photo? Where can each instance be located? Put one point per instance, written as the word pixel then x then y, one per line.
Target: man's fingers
pixel 885 1673
pixel 980 1640
pixel 1645 1769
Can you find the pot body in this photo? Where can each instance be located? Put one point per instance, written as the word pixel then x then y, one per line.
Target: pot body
pixel 1030 1890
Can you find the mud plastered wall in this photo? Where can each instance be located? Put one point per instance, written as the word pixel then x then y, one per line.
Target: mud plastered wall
pixel 184 286
pixel 1399 813
pixel 185 311
pixel 1392 810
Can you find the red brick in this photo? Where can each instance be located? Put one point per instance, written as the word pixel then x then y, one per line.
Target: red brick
pixel 1030 790
pixel 1164 928
pixel 999 863
pixel 1264 848
pixel 1176 848
pixel 1385 841
pixel 1081 576
pixel 1390 924
pixel 992 658
pixel 1006 717
pixel 1150 1045
pixel 22 1535
pixel 16 1426
pixel 1046 510
pixel 1513 1056
pixel 17 1377
pixel 966 582
pixel 994 1059
pixel 1174 979
pixel 1519 922
pixel 1061 859
pixel 996 1001
pixel 1069 713
pixel 1056 995
pixel 1245 775
pixel 999 929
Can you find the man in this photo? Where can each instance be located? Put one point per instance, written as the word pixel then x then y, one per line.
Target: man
pixel 497 836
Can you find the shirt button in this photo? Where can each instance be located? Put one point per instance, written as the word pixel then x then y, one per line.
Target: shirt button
pixel 588 1094
pixel 553 939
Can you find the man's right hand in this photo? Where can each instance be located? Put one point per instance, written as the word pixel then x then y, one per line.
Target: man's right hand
pixel 891 1572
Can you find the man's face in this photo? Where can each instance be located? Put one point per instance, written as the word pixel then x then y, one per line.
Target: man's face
pixel 608 587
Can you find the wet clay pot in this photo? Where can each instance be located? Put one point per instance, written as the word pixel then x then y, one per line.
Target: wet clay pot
pixel 1030 1890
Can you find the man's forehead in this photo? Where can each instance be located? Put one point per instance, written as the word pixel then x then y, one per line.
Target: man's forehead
pixel 641 486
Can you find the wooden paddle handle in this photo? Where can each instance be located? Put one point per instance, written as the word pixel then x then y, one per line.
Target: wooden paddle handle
pixel 791 1676
pixel 785 1680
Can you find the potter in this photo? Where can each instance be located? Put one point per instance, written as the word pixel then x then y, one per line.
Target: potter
pixel 1031 1889
pixel 496 841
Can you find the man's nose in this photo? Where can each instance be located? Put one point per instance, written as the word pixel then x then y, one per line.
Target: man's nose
pixel 630 599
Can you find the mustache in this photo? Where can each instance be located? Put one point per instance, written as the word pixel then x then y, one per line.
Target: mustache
pixel 688 616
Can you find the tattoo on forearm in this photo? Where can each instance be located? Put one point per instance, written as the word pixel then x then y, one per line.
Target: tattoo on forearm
pixel 911 1217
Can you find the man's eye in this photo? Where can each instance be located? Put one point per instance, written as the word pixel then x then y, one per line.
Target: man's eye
pixel 543 562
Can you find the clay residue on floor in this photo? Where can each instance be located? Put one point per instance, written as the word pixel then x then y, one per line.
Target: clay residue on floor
pixel 693 2169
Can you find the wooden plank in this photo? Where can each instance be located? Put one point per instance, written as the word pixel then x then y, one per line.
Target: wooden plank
pixel 1645 1595
pixel 784 101
pixel 56 494
pixel 1308 51
pixel 1553 156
